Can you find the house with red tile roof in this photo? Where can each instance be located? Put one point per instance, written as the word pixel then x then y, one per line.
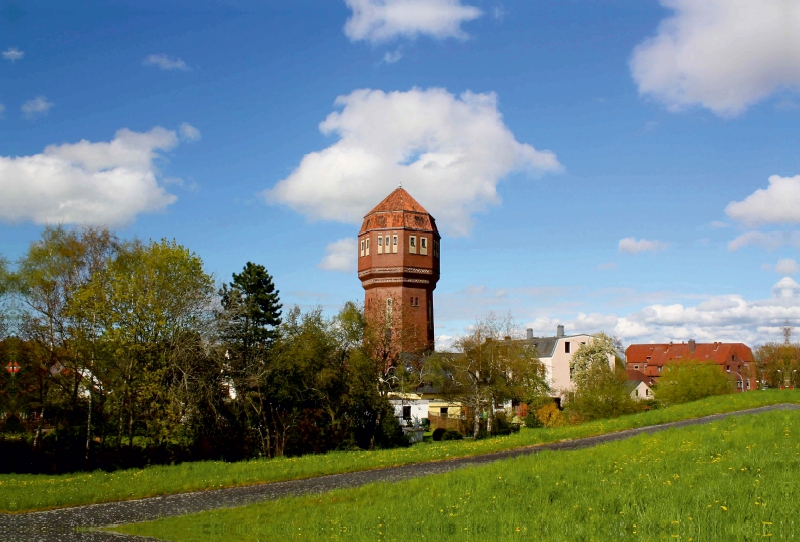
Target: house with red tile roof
pixel 736 359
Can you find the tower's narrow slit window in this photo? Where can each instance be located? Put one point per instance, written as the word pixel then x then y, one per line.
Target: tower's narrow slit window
pixel 380 245
pixel 394 244
pixel 387 244
pixel 362 247
pixel 423 246
pixel 412 244
pixel 367 249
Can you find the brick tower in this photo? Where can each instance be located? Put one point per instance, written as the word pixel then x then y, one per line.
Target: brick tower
pixel 398 264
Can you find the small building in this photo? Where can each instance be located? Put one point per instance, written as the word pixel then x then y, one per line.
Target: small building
pixel 637 386
pixel 736 359
pixel 409 407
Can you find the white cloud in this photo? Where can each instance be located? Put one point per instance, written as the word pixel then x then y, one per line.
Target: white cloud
pixel 392 56
pixel 779 203
pixel 721 54
pixel 340 256
pixel 165 62
pixel 772 240
pixel 383 20
pixel 96 183
pixel 189 132
pixel 719 224
pixel 37 107
pixel 449 152
pixel 786 266
pixel 13 54
pixel 632 246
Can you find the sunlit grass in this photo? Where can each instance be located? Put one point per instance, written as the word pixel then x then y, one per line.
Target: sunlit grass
pixel 735 479
pixel 36 492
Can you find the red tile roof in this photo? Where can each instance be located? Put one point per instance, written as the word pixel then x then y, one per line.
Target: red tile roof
pixel 656 355
pixel 399 210
pixel 636 375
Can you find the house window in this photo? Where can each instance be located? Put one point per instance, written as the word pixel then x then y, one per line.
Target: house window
pixel 394 244
pixel 412 244
pixel 748 383
pixel 571 372
pixel 423 246
pixel 566 347
pixel 636 367
pixel 406 412
pixel 443 412
pixel 367 249
pixel 728 368
pixel 362 248
pixel 659 368
pixel 637 392
pixel 647 392
pixel 380 245
pixel 648 358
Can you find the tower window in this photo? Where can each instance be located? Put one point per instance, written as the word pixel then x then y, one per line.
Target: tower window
pixel 389 307
pixel 367 249
pixel 380 245
pixel 387 244
pixel 423 246
pixel 412 244
pixel 362 248
pixel 394 244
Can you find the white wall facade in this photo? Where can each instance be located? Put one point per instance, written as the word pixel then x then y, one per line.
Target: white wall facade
pixel 558 364
pixel 418 407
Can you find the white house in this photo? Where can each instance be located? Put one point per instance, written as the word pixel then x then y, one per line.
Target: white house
pixel 639 390
pixel 555 353
pixel 409 407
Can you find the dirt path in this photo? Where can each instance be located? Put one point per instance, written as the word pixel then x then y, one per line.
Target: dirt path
pixel 72 523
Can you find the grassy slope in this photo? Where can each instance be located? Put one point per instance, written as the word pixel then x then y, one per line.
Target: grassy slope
pixel 38 492
pixel 735 479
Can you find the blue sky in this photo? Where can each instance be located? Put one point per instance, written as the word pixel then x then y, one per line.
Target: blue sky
pixel 626 166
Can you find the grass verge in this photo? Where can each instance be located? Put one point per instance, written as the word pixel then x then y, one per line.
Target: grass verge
pixel 734 479
pixel 20 493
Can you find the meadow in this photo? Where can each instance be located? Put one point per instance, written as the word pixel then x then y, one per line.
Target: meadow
pixel 38 492
pixel 735 479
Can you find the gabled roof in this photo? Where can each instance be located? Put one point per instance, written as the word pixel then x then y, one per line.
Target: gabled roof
pixel 636 376
pixel 399 210
pixel 660 354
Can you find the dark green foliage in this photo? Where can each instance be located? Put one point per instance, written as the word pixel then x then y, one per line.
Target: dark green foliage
pixel 437 433
pixel 253 306
pixel 451 434
pixel 502 426
pixel 532 421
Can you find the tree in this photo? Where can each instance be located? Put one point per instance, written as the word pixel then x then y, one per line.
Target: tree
pixel 691 380
pixel 601 349
pixel 778 364
pixel 489 367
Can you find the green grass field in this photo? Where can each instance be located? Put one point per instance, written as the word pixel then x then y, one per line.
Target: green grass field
pixel 38 492
pixel 735 479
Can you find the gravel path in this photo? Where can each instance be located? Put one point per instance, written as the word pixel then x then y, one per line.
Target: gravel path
pixel 74 523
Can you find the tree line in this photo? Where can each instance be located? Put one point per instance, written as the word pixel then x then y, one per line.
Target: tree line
pixel 129 353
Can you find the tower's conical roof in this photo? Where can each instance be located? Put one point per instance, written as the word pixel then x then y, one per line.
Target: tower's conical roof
pixel 399 210
pixel 399 200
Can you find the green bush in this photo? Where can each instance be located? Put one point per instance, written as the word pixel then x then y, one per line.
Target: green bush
pixel 600 392
pixel 451 434
pixel 690 381
pixel 438 433
pixel 532 421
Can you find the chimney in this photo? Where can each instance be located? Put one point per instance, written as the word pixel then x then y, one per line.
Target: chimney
pixel 692 346
pixel 560 331
pixel 529 332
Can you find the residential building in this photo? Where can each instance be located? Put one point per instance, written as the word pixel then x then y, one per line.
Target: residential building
pixel 637 385
pixel 735 359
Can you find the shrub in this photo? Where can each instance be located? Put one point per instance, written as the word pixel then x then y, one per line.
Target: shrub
pixel 502 426
pixel 600 392
pixel 438 433
pixel 452 434
pixel 532 420
pixel 690 381
pixel 550 416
